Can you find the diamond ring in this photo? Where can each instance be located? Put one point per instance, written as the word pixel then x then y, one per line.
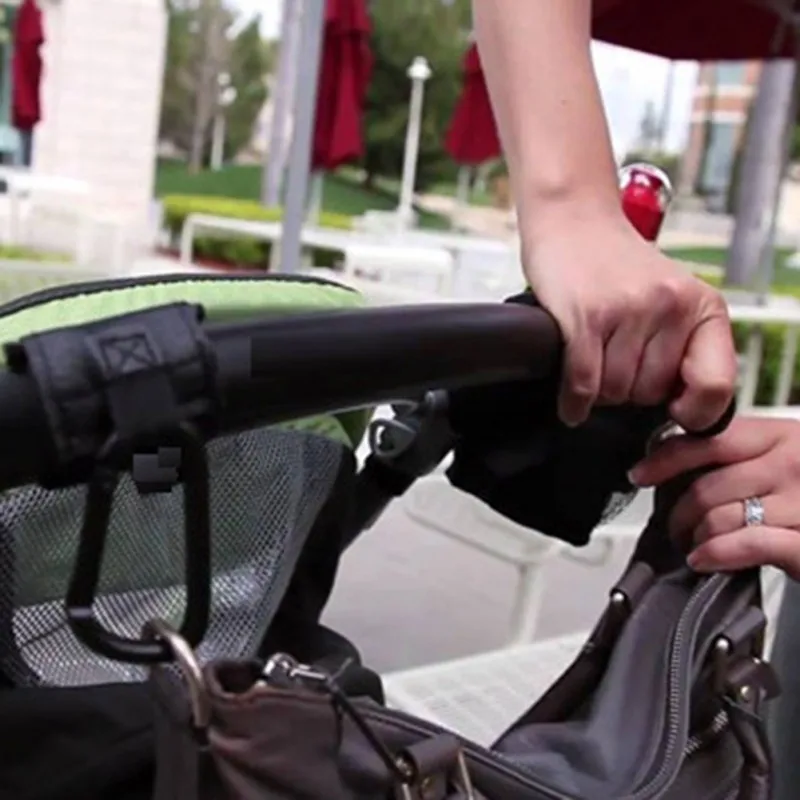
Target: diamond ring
pixel 753 512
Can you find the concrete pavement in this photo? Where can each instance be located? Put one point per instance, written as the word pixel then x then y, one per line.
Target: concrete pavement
pixel 407 596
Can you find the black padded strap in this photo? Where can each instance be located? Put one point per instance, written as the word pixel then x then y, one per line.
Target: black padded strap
pixel 134 376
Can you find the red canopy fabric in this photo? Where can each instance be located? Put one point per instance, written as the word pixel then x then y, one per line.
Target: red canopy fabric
pixel 345 68
pixel 701 30
pixel 472 136
pixel 26 67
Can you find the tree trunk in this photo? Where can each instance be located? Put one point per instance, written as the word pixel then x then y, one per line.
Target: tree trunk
pixel 213 51
pixel 764 160
pixel 708 131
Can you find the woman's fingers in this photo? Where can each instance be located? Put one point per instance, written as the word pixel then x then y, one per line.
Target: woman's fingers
pixel 779 512
pixel 582 374
pixel 750 547
pixel 654 383
pixel 719 488
pixel 621 358
pixel 745 439
pixel 708 372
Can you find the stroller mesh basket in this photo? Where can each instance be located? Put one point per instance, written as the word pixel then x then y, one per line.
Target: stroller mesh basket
pixel 267 488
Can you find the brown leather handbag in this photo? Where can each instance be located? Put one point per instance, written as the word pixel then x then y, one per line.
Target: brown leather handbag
pixel 664 701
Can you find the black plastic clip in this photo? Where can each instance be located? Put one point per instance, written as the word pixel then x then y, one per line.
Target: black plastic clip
pixel 183 457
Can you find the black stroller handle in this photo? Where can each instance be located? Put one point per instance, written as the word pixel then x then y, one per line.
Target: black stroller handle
pixel 326 362
pixel 283 368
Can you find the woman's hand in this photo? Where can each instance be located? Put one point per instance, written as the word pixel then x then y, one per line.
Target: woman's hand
pixel 756 458
pixel 638 326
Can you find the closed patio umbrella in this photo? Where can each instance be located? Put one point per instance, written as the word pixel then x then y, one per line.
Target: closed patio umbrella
pixel 472 137
pixel 345 68
pixel 26 73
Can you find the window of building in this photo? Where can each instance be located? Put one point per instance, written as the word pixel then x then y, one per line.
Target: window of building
pixel 731 73
pixel 719 157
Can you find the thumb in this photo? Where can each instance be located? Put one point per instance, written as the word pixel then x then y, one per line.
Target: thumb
pixel 708 374
pixel 580 380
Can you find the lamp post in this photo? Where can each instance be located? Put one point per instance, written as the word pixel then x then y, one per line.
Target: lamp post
pixel 286 258
pixel 418 72
pixel 282 102
pixel 227 94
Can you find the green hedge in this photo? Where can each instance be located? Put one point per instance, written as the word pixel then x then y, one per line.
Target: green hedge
pixel 17 253
pixel 238 251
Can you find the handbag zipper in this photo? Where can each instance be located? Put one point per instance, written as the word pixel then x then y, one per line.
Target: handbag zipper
pixel 283 670
pixel 677 691
pixel 109 284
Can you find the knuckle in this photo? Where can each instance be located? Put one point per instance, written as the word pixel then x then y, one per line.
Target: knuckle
pixel 699 496
pixel 714 523
pixel 791 465
pixel 671 297
pixel 595 318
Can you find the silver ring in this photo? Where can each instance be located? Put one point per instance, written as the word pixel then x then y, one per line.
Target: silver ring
pixel 753 512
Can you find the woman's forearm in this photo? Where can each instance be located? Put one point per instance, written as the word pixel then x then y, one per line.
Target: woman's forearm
pixel 537 62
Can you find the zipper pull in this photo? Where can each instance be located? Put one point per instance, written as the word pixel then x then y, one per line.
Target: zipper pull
pixel 284 672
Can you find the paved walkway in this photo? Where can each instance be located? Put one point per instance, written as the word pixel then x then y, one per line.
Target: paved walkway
pixel 408 596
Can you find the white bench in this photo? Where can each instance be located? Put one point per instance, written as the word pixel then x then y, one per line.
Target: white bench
pixel 423 268
pixel 310 236
pixel 55 212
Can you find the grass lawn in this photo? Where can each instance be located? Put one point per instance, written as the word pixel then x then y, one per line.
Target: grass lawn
pixel 715 256
pixel 392 186
pixel 342 193
pixel 450 189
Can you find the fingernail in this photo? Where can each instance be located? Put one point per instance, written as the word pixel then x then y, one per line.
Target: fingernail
pixel 697 562
pixel 634 477
pixel 570 420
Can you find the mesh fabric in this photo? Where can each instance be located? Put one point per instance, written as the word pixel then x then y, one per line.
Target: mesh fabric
pixel 267 488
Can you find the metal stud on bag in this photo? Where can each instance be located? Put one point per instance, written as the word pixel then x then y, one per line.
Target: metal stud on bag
pixel 424 787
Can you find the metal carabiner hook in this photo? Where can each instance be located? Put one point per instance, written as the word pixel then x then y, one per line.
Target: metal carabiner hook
pixel 189 666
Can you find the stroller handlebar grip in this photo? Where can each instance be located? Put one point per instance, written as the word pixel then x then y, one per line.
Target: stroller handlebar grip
pixel 287 367
pixel 320 362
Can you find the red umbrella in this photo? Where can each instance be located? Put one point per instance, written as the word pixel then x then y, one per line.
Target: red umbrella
pixel 26 75
pixel 345 68
pixel 472 137
pixel 701 30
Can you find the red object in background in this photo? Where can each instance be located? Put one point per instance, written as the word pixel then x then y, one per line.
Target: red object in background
pixel 646 194
pixel 701 30
pixel 472 137
pixel 345 68
pixel 26 67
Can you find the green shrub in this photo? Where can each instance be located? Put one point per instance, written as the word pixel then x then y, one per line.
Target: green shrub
pixel 238 250
pixel 12 252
